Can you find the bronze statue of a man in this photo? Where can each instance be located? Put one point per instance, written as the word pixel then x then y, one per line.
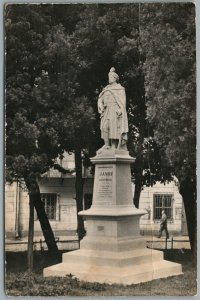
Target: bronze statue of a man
pixel 112 109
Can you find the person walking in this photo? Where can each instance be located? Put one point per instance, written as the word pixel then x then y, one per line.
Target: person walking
pixel 163 225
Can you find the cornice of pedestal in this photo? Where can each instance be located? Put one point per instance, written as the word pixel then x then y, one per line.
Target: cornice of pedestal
pixel 113 156
pixel 117 211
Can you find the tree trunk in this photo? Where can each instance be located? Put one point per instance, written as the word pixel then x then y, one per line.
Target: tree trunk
pixel 188 192
pixel 34 192
pixel 45 225
pixel 138 169
pixel 30 234
pixel 79 193
pixel 138 189
pixel 139 162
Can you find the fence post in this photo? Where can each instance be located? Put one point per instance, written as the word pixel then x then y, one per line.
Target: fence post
pixel 165 243
pixel 172 243
pixel 41 248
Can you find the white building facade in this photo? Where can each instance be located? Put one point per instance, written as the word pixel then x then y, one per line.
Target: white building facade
pixel 58 196
pixel 162 197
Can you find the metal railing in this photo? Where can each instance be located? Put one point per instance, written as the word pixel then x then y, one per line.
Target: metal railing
pixel 169 243
pixel 43 242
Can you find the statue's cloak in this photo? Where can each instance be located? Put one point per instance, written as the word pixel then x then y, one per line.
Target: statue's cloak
pixel 114 93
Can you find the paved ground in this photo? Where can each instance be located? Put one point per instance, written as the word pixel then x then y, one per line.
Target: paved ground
pixel 71 243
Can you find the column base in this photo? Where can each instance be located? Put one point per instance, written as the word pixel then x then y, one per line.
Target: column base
pixel 126 267
pixel 114 252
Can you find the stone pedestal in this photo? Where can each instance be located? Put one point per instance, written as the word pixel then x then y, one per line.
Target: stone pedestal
pixel 113 250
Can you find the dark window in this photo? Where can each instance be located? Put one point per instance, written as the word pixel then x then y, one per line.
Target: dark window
pixel 163 202
pixel 49 201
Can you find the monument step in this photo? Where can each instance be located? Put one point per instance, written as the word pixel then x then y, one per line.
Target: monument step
pixel 113 244
pixel 107 258
pixel 126 275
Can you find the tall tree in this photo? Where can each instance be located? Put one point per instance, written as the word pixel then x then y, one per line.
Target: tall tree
pixel 76 117
pixel 106 36
pixel 27 127
pixel 168 43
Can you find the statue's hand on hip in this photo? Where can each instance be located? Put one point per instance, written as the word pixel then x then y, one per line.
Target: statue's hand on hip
pixel 102 113
pixel 119 112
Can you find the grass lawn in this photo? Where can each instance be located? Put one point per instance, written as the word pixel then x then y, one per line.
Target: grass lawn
pixel 18 282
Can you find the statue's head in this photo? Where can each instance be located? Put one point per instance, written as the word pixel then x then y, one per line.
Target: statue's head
pixel 112 76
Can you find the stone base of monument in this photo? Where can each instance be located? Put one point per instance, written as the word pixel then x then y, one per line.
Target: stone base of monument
pixel 113 250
